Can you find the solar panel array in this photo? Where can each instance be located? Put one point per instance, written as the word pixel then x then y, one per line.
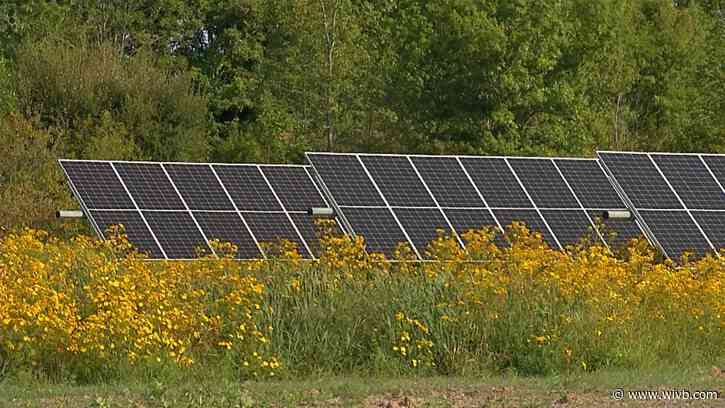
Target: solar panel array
pixel 679 198
pixel 391 199
pixel 174 210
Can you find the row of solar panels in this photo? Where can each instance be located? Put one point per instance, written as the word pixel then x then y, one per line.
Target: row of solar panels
pixel 170 210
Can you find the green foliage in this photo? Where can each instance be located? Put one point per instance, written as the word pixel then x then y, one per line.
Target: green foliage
pixel 94 93
pixel 7 92
pixel 31 184
pixel 252 80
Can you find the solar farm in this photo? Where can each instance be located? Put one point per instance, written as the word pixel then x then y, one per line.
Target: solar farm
pixel 174 210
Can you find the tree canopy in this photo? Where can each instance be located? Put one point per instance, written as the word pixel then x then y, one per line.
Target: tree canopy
pixel 253 80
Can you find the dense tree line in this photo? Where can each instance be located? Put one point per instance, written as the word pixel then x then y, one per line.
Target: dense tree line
pixel 255 80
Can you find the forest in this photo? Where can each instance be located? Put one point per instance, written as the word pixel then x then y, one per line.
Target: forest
pixel 264 81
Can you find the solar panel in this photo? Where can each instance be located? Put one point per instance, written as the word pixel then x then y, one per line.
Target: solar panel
pixel 531 218
pixel 464 219
pixel 689 177
pixel 199 187
pixel 149 186
pixel 447 181
pixel 294 187
pixel 544 184
pixel 482 187
pixel 381 231
pixel 346 179
pixel 387 198
pixel 496 182
pixel 97 184
pixel 423 225
pixel 134 227
pixel 271 228
pixel 570 226
pixel 590 184
pixel 676 232
pixel 229 227
pixel 312 232
pixel 171 209
pixel 177 233
pixel 658 183
pixel 641 181
pixel 247 187
pixel 616 232
pixel 716 164
pixel 397 180
pixel 713 224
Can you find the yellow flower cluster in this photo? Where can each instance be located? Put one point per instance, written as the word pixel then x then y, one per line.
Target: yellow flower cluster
pixel 413 342
pixel 522 304
pixel 580 308
pixel 95 302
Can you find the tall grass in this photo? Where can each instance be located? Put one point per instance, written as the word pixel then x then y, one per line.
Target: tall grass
pixel 95 311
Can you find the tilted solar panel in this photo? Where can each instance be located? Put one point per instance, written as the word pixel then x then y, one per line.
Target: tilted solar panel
pixel 149 185
pixel 678 197
pixel 531 218
pixel 294 187
pixel 228 227
pixel 676 232
pixel 199 187
pixel 347 180
pixel 174 210
pixel 247 187
pixel 590 184
pixel 497 182
pixel 97 184
pixel 381 230
pixel 545 185
pixel 443 176
pixel 397 180
pixel 135 228
pixel 423 226
pixel 416 196
pixel 645 186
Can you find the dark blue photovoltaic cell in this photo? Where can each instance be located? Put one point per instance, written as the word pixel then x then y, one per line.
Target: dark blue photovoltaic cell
pixel 530 218
pixel 691 180
pixel 464 220
pixel 133 226
pixel 616 232
pixel 717 166
pixel 149 186
pixel 398 181
pixel 228 227
pixel 543 182
pixel 423 225
pixel 247 187
pixel 293 187
pixel 590 184
pixel 676 232
pixel 496 182
pixel 177 233
pixel 97 185
pixel 346 179
pixel 271 228
pixel 571 226
pixel 199 187
pixel 377 225
pixel 447 181
pixel 312 231
pixel 713 223
pixel 640 180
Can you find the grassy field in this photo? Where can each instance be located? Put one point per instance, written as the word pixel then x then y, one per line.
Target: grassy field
pixel 496 390
pixel 89 323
